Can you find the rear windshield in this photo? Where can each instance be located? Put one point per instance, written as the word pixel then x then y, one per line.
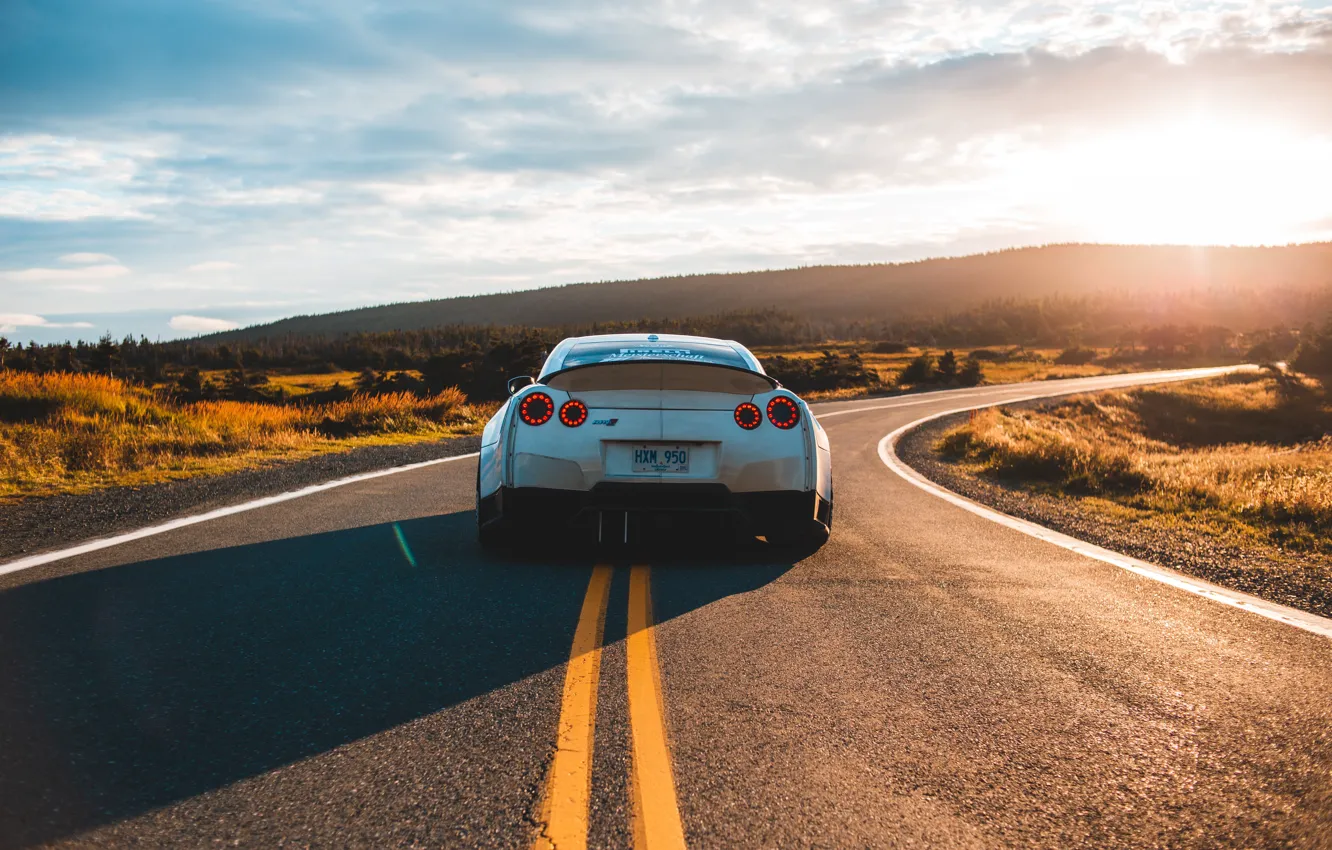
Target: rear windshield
pixel 588 353
pixel 641 375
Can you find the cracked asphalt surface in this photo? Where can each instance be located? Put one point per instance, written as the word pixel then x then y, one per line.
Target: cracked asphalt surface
pixel 289 677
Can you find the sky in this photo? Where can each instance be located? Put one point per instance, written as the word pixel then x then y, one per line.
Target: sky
pixel 172 168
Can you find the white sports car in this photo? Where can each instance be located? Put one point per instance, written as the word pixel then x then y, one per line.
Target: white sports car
pixel 622 434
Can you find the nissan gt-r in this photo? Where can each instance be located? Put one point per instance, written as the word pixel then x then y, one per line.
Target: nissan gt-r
pixel 626 435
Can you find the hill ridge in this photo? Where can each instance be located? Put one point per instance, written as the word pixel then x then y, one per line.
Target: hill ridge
pixel 872 291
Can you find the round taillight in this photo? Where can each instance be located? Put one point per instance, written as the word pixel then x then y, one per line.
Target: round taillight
pixel 536 409
pixel 573 413
pixel 783 412
pixel 748 416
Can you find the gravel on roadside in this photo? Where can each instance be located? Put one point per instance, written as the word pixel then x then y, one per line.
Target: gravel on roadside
pixel 38 524
pixel 1299 580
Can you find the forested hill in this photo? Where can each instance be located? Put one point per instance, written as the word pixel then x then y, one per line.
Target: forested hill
pixel 1236 287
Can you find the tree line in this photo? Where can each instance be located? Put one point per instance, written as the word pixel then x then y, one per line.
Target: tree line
pixel 479 358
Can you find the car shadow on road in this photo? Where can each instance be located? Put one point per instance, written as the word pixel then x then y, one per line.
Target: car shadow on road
pixel 128 688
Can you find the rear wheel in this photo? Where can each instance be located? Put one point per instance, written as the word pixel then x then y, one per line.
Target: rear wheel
pixel 490 536
pixel 489 533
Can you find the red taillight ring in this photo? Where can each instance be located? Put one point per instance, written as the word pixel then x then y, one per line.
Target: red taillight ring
pixel 783 412
pixel 748 416
pixel 536 408
pixel 573 413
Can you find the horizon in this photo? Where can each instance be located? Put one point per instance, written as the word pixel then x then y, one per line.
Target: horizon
pixel 56 332
pixel 184 170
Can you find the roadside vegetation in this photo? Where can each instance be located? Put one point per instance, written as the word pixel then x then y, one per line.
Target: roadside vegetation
pixel 82 414
pixel 68 432
pixel 1248 456
pixel 1006 340
pixel 62 432
pixel 851 369
pixel 1229 478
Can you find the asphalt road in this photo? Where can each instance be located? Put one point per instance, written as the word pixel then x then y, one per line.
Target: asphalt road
pixel 349 669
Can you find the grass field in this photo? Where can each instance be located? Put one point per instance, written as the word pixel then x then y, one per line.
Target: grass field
pixel 1026 365
pixel 303 384
pixel 295 384
pixel 1011 366
pixel 66 433
pixel 1246 458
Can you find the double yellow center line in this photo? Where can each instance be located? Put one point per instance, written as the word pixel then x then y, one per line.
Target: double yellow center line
pixel 657 823
pixel 569 782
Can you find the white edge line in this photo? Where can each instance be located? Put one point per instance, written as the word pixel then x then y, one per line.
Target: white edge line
pixel 1235 599
pixel 181 522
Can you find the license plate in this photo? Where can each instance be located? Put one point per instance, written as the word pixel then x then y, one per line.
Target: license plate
pixel 660 458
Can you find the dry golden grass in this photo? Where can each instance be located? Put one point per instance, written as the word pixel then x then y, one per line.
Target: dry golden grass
pixel 62 432
pixel 1017 371
pixel 301 384
pixel 1237 454
pixel 1039 367
pixel 295 384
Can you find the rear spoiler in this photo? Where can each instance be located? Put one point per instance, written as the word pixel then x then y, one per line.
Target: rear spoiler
pixel 772 382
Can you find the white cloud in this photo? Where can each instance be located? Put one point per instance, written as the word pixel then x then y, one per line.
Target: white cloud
pixel 64 205
pixel 10 322
pixel 103 271
pixel 211 266
pixel 84 258
pixel 54 178
pixel 526 143
pixel 201 324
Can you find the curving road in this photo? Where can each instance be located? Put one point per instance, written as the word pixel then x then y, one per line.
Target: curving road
pixel 349 669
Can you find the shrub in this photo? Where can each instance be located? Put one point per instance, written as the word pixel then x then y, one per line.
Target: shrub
pixel 1076 356
pixel 830 371
pixel 1275 346
pixel 971 374
pixel 918 371
pixel 1314 356
pixel 946 370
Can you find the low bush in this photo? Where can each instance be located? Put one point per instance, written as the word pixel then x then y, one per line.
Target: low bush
pixel 831 370
pixel 925 370
pixel 1076 356
pixel 919 371
pixel 1315 352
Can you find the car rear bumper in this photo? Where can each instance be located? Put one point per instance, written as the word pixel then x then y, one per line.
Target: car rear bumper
pixel 758 512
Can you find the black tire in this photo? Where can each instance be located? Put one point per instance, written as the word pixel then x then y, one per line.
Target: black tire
pixel 491 537
pixel 491 534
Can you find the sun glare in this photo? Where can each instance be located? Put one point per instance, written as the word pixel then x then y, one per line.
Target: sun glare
pixel 1192 183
